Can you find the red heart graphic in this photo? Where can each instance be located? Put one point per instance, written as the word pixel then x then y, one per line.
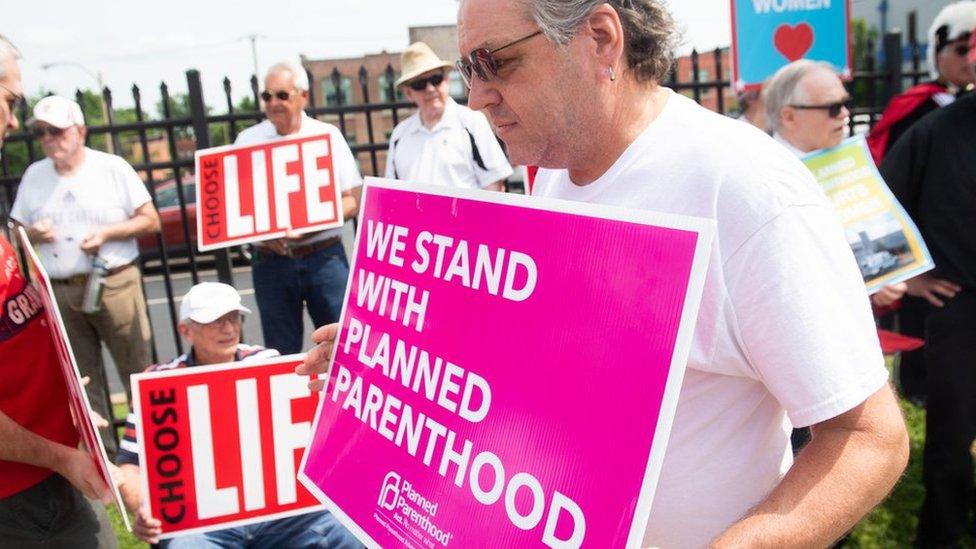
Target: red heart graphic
pixel 793 42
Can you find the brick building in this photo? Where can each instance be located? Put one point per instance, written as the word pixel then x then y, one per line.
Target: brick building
pixel 380 70
pixel 708 72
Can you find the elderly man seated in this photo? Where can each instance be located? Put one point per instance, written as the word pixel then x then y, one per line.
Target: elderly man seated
pixel 211 315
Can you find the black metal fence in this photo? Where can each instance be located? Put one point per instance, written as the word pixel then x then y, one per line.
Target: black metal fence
pixel 186 125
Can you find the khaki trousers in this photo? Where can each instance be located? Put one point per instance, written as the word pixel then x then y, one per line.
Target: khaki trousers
pixel 122 324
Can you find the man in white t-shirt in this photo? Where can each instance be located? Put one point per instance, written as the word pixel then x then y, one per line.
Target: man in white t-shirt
pixel 784 334
pixel 310 270
pixel 443 143
pixel 79 204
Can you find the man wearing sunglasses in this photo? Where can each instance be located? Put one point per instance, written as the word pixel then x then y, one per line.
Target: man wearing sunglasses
pixel 951 76
pixel 807 107
pixel 45 479
pixel 308 270
pixel 784 334
pixel 932 172
pixel 79 204
pixel 443 143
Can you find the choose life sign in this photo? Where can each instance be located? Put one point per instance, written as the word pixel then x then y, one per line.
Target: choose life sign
pixel 220 445
pixel 509 358
pixel 769 34
pixel 250 193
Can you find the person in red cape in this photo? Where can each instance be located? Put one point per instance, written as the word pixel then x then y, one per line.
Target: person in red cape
pixel 951 75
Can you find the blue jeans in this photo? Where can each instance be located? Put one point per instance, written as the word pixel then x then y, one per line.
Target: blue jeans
pixel 317 529
pixel 283 286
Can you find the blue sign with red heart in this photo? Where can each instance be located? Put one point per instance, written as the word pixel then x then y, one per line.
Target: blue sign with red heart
pixel 768 34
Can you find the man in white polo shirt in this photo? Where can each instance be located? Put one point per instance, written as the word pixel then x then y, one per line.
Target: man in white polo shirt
pixel 443 143
pixel 79 205
pixel 311 270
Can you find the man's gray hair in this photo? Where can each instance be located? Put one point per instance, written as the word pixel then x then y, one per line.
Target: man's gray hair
pixel 299 77
pixel 8 51
pixel 650 33
pixel 783 89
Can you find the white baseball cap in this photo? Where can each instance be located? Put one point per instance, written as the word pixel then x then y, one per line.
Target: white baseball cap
pixel 208 301
pixel 58 112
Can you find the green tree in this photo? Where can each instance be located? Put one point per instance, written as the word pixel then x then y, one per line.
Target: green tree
pixel 863 38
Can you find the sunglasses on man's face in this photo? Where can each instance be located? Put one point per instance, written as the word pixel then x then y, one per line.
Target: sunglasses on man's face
pixel 482 63
pixel 420 84
pixel 280 95
pixel 833 109
pixel 13 99
pixel 40 132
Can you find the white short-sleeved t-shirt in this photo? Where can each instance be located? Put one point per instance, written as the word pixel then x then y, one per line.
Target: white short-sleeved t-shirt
pixel 784 334
pixel 343 162
pixel 103 191
pixel 443 155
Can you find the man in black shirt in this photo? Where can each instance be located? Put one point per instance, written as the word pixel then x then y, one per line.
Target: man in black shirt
pixel 932 172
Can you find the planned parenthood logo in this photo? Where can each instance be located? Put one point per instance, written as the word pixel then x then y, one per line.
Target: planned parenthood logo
pixel 413 512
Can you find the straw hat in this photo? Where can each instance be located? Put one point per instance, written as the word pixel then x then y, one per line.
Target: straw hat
pixel 417 60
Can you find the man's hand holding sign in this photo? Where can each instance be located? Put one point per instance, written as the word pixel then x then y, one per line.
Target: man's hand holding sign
pixel 318 360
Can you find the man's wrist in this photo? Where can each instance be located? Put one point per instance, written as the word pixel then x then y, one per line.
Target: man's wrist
pixel 55 457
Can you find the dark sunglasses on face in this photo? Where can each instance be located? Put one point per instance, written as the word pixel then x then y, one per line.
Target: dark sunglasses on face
pixel 833 109
pixel 13 99
pixel 420 84
pixel 281 95
pixel 40 132
pixel 482 63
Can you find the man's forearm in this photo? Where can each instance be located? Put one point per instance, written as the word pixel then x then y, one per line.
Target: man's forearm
pixel 23 446
pixel 350 202
pixel 131 487
pixel 134 227
pixel 841 475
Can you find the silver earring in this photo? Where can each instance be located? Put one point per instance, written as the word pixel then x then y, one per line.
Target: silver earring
pixel 613 75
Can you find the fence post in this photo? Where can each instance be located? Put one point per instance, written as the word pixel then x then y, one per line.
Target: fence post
pixel 198 114
pixel 892 64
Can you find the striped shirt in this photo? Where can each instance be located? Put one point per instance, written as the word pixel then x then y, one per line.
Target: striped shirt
pixel 129 446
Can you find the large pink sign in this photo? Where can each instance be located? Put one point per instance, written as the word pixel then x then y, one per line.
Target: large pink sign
pixel 507 370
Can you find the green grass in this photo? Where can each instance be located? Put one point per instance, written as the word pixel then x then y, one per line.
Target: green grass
pixel 893 523
pixel 126 539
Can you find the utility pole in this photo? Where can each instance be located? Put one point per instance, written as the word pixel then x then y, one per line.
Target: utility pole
pixel 254 50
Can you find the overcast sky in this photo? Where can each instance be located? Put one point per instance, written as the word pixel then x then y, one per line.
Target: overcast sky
pixel 149 42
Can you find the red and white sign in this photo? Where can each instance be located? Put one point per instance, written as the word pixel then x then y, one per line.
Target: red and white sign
pixel 258 192
pixel 221 445
pixel 78 399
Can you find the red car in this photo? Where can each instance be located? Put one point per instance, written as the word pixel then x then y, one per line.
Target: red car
pixel 171 227
pixel 171 221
